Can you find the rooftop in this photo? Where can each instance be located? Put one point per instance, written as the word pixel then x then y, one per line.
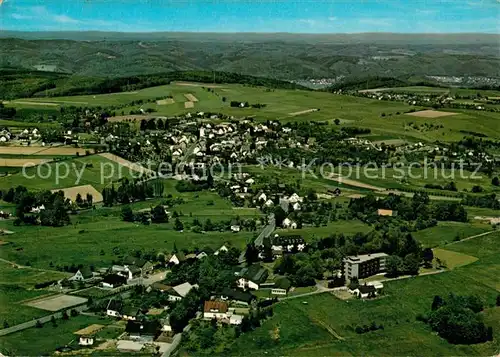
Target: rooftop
pixel 218 306
pixel 364 258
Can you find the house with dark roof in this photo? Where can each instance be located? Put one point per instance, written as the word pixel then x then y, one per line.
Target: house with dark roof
pixel 146 331
pixel 252 277
pixel 281 286
pixel 131 313
pixel 113 280
pixel 142 264
pixel 237 296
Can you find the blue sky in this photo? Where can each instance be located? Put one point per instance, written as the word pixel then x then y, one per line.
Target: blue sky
pixel 305 16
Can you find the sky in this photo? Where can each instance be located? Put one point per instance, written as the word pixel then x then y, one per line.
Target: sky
pixel 298 16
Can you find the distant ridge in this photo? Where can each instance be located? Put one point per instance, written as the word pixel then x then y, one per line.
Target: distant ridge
pixel 370 37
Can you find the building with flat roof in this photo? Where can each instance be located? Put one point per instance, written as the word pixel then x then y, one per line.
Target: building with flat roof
pixel 363 266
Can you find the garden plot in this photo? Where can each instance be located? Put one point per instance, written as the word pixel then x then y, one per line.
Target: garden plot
pixel 22 162
pixel 56 303
pixel 431 114
pixel 191 97
pixel 303 112
pixel 89 330
pixel 167 101
pixel 83 190
pixel 126 163
pixel 188 105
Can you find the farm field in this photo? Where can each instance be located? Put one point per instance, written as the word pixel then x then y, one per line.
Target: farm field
pixel 447 232
pixel 97 171
pixel 311 233
pixel 29 343
pixel 285 104
pixel 27 277
pixel 12 309
pixel 324 325
pixel 42 150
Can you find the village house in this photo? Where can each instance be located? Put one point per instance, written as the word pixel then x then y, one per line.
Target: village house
pixel 114 308
pixel 145 331
pixel 113 280
pixel 221 249
pixel 82 274
pixel 385 212
pixel 86 340
pixel 180 291
pixel 130 313
pixel 177 258
pixel 237 296
pixel 220 311
pixel 252 277
pixel 281 286
pixel 287 244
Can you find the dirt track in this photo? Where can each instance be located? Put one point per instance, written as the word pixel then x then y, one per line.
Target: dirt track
pixel 41 150
pixel 126 163
pixel 431 114
pixel 22 162
pixel 72 192
pixel 303 112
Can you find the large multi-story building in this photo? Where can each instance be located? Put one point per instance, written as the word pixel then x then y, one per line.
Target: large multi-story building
pixel 363 266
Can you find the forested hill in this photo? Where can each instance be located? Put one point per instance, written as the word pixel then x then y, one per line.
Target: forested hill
pixel 283 56
pixel 16 83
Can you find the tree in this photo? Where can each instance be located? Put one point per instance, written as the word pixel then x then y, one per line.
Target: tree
pixel 495 181
pixel 428 257
pixel 127 214
pixel 79 200
pixel 498 300
pixel 159 215
pixel 437 302
pixel 251 254
pixel 178 226
pixel 38 324
pixel 279 216
pixel 394 265
pixel 5 324
pixel 53 321
pixel 337 121
pixel 411 264
pixel 90 199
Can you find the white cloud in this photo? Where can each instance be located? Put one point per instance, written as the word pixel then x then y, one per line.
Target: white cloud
pixel 310 22
pixel 63 19
pixel 17 16
pixel 376 22
pixel 332 18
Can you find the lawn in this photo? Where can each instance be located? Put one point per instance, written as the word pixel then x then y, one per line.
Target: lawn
pixel 26 277
pixel 452 259
pixel 312 325
pixel 336 227
pixel 44 341
pixel 12 311
pixel 447 232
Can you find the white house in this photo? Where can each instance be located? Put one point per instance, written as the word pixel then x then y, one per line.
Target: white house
pixel 221 249
pixel 288 223
pixel 201 255
pixel 180 291
pixel 177 258
pixel 114 308
pixel 86 340
pixel 82 275
pixel 215 310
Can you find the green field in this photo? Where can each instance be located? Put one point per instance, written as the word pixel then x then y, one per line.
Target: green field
pixel 27 277
pixel 310 233
pixel 97 171
pixel 12 310
pixel 282 104
pixel 447 232
pixel 99 236
pixel 322 325
pixel 29 343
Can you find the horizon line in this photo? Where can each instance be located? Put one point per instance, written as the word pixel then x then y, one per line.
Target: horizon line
pixel 257 33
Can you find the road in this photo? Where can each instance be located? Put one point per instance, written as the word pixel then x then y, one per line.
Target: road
pixel 266 231
pixel 471 237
